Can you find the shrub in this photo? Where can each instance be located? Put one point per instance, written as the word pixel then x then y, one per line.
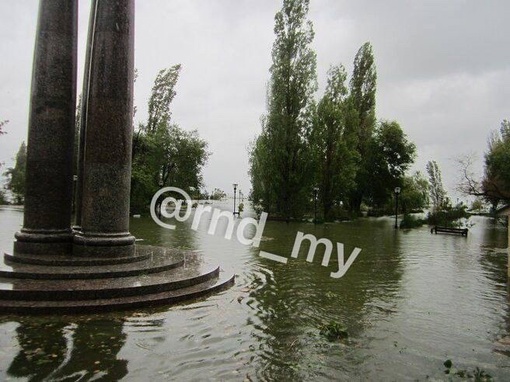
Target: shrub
pixel 410 221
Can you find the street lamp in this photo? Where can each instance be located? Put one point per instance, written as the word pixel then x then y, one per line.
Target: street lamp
pixel 397 192
pixel 160 202
pixel 315 192
pixel 235 191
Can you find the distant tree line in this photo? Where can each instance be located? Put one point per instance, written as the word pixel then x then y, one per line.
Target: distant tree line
pixel 335 145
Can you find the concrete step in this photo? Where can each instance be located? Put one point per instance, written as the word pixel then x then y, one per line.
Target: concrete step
pixel 74 261
pixel 224 281
pixel 194 270
pixel 157 261
pixel 50 285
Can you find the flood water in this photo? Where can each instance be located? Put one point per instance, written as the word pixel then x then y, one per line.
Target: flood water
pixel 410 301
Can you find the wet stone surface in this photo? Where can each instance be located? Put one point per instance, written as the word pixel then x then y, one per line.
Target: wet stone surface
pixel 161 275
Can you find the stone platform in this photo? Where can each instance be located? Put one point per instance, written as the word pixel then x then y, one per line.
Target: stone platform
pixel 64 284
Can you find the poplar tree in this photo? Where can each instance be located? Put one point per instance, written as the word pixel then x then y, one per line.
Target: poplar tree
pixel 334 142
pixel 281 165
pixel 163 153
pixel 362 93
pixel 3 199
pixel 436 189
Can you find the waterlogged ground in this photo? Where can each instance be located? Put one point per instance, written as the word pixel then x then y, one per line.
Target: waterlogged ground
pixel 410 301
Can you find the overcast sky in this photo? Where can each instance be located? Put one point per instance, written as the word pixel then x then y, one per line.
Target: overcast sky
pixel 443 69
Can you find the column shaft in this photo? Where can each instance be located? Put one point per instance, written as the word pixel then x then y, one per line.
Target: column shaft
pixel 48 195
pixel 83 115
pixel 108 135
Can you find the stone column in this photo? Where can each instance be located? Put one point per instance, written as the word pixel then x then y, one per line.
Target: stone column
pixel 108 136
pixel 83 115
pixel 48 194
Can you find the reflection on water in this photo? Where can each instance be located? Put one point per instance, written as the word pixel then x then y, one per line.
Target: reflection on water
pixel 410 301
pixel 69 351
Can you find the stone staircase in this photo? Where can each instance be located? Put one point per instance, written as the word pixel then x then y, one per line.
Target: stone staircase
pixel 153 276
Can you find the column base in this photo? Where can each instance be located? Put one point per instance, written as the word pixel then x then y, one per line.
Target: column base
pixel 103 245
pixel 43 242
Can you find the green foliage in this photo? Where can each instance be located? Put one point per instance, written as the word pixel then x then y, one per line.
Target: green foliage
pixel 363 87
pixel 3 198
pixel 410 221
pixel 163 93
pixel 415 193
pixel 389 157
pixel 218 194
pixel 477 205
pixel 16 175
pixel 163 153
pixel 334 143
pixel 443 212
pixel 448 215
pixel 477 374
pixel 280 158
pixel 334 331
pixel 496 182
pixel 494 188
pixel 437 191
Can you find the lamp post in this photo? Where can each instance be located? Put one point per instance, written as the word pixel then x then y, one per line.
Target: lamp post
pixel 235 191
pixel 397 192
pixel 315 192
pixel 158 210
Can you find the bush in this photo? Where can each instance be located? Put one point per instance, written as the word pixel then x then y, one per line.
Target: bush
pixel 448 216
pixel 410 221
pixel 333 331
pixel 3 198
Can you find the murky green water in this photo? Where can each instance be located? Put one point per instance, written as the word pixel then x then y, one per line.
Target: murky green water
pixel 410 301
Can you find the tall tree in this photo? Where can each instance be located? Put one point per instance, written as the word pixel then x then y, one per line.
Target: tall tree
pixel 437 191
pixel 334 142
pixel 362 92
pixel 415 193
pixel 494 187
pixel 162 95
pixel 3 198
pixel 16 175
pixel 163 153
pixel 2 132
pixel 388 159
pixel 496 181
pixel 281 168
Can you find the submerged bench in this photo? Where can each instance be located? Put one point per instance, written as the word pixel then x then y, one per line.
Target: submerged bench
pixel 458 231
